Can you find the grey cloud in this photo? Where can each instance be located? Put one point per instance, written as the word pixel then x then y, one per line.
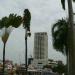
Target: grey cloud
pixel 44 14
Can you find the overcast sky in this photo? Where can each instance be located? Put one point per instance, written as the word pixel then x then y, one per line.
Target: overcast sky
pixel 44 13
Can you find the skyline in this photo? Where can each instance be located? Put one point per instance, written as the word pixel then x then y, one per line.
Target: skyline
pixel 43 15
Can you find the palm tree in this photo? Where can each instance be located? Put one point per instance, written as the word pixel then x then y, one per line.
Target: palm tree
pixel 14 20
pixel 71 43
pixel 63 3
pixel 59 34
pixel 6 22
pixel 26 25
pixel 5 36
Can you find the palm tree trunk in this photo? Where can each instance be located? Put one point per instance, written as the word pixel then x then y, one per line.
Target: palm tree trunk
pixel 26 50
pixel 71 47
pixel 67 57
pixel 4 58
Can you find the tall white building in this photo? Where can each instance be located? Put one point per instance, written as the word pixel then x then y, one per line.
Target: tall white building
pixel 40 49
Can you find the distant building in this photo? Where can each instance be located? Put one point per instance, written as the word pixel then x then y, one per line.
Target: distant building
pixel 8 62
pixel 40 49
pixel 30 60
pixel 52 63
pixel 60 62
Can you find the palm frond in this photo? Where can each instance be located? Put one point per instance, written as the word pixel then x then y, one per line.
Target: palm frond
pixel 15 20
pixel 59 35
pixel 63 4
pixel 26 19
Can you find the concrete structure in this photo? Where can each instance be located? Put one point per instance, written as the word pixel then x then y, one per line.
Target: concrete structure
pixel 40 49
pixel 37 72
pixel 30 60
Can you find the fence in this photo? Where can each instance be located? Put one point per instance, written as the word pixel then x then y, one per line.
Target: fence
pixel 36 73
pixel 22 72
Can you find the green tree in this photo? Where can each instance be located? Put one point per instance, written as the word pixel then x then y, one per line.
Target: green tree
pixel 60 68
pixel 26 25
pixel 71 43
pixel 63 3
pixel 59 35
pixel 14 20
pixel 6 22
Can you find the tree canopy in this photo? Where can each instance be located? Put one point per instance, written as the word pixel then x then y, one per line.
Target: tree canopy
pixel 26 19
pixel 59 35
pixel 60 68
pixel 63 3
pixel 12 20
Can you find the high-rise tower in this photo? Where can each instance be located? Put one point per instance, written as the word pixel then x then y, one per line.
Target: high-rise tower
pixel 40 48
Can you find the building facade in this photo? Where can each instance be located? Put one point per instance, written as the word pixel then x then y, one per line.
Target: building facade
pixel 40 49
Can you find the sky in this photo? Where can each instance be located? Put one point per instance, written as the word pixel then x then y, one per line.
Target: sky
pixel 44 13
